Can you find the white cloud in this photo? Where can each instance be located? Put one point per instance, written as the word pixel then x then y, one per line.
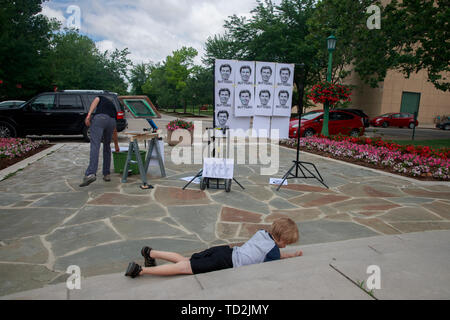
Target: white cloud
pixel 152 29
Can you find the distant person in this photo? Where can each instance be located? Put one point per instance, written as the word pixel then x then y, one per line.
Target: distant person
pixel 285 74
pixel 222 119
pixel 262 247
pixel 266 74
pixel 264 98
pixel 245 73
pixel 224 97
pixel 102 126
pixel 225 73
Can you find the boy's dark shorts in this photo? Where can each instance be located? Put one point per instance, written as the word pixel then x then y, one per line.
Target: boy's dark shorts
pixel 212 259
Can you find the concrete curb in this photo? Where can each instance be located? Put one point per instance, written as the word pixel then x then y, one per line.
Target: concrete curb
pixel 26 162
pixel 425 183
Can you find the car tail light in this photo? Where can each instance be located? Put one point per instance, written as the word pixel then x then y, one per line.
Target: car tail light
pixel 120 115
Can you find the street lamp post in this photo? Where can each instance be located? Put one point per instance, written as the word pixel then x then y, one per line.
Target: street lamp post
pixel 331 45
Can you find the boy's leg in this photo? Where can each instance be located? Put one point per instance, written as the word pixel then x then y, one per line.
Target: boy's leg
pixel 168 256
pixel 182 267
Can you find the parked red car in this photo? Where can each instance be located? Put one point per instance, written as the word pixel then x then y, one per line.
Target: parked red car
pixel 395 120
pixel 340 122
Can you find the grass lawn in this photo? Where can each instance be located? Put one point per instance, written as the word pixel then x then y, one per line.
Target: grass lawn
pixel 189 111
pixel 436 143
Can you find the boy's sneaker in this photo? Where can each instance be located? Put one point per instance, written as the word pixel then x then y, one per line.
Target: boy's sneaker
pixel 87 180
pixel 149 261
pixel 133 270
pixel 107 178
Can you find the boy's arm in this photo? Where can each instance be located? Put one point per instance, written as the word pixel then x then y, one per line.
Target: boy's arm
pixel 285 255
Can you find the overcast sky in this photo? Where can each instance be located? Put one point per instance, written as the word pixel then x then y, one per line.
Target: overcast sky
pixel 151 29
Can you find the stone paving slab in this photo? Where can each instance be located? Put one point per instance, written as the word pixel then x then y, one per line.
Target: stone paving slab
pixel 55 223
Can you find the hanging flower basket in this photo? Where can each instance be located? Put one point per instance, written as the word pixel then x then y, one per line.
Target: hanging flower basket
pixel 185 128
pixel 328 92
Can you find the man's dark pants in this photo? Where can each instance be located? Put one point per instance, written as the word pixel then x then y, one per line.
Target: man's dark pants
pixel 102 126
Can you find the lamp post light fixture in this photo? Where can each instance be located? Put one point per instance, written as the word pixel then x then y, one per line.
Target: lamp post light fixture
pixel 331 46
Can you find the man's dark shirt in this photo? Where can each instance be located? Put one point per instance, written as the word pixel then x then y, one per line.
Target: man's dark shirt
pixel 107 107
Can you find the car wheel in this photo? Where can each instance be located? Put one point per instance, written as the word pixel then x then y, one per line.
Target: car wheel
pixel 87 134
pixel 447 127
pixel 308 133
pixel 412 125
pixel 385 124
pixel 7 130
pixel 354 133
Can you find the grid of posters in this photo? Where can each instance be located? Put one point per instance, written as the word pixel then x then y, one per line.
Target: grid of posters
pixel 262 90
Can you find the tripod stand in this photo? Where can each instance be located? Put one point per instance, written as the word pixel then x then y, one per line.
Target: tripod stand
pixel 300 165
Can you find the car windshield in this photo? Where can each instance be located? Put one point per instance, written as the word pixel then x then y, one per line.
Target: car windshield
pixel 386 115
pixel 311 115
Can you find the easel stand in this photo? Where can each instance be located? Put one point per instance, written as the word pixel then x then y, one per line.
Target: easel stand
pixel 206 182
pixel 134 138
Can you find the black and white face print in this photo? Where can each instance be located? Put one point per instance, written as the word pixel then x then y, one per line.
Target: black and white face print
pixel 283 101
pixel 225 71
pixel 244 101
pixel 265 73
pixel 285 75
pixel 245 73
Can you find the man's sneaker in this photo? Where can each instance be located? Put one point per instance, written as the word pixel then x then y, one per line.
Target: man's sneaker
pixel 133 270
pixel 149 261
pixel 87 180
pixel 107 178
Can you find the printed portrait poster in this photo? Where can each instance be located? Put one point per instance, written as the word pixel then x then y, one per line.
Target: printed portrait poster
pixel 261 127
pixel 223 117
pixel 245 73
pixel 284 76
pixel 244 100
pixel 224 96
pixel 264 97
pixel 283 101
pixel 225 71
pixel 265 73
pixel 282 125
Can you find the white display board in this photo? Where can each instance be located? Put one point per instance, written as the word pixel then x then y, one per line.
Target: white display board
pixel 246 89
pixel 282 125
pixel 218 168
pixel 261 126
pixel 244 101
pixel 225 71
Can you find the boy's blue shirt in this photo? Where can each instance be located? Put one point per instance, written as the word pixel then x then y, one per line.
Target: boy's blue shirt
pixel 260 248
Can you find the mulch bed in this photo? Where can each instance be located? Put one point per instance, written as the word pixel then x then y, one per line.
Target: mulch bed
pixel 5 163
pixel 363 164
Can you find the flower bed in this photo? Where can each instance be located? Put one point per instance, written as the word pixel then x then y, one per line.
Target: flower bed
pixel 13 150
pixel 180 124
pixel 413 161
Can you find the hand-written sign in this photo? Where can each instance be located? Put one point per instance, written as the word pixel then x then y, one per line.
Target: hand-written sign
pixel 218 168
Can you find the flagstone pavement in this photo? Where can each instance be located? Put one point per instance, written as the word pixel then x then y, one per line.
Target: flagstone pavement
pixel 47 222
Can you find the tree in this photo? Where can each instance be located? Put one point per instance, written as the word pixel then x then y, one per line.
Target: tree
pixel 76 63
pixel 25 43
pixel 138 76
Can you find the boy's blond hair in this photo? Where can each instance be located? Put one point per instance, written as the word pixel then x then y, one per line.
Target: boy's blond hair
pixel 285 229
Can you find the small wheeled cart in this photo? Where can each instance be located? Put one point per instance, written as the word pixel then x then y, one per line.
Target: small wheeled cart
pixel 217 172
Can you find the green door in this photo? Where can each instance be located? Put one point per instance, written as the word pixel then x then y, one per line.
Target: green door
pixel 410 102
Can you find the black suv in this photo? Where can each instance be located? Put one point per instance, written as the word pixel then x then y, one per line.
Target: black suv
pixel 55 113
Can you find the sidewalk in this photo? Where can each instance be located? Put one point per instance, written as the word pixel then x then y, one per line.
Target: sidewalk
pixel 412 266
pixel 48 223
